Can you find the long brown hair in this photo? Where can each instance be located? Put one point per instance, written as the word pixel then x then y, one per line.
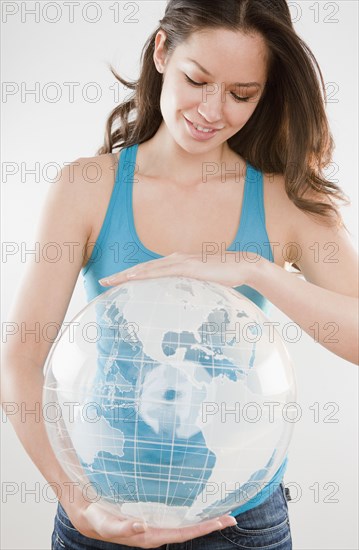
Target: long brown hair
pixel 288 133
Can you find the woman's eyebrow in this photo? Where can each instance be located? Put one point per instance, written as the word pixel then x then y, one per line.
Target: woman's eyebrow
pixel 247 84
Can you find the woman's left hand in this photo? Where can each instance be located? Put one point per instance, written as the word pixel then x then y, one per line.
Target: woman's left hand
pixel 230 269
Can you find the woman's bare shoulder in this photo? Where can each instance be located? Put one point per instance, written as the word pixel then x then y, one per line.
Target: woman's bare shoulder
pixel 96 172
pixel 298 225
pixel 98 175
pixel 281 213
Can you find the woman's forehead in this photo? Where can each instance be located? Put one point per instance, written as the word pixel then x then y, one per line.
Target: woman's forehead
pixel 236 54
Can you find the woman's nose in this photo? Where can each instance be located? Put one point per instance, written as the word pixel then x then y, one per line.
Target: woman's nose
pixel 212 103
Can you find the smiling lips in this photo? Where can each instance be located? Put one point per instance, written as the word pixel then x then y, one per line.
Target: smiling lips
pixel 197 133
pixel 200 127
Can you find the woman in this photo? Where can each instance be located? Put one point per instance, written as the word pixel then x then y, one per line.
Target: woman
pixel 229 112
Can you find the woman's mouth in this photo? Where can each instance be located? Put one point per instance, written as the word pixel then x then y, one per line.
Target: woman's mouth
pixel 198 133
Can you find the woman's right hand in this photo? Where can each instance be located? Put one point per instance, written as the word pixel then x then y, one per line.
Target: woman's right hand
pixel 93 521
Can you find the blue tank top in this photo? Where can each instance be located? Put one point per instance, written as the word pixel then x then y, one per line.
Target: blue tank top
pixel 118 247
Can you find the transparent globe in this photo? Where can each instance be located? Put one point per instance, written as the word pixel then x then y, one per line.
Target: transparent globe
pixel 169 399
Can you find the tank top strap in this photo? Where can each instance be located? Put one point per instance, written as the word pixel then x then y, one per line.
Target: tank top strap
pixel 253 204
pixel 254 212
pixel 119 202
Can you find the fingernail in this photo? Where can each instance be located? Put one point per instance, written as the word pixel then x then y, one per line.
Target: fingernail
pixel 229 520
pixel 138 527
pixel 104 281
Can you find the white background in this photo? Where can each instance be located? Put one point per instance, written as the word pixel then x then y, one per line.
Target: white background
pixel 36 129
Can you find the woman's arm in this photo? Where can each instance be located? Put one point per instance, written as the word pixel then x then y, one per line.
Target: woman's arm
pixel 330 318
pixel 325 304
pixel 41 304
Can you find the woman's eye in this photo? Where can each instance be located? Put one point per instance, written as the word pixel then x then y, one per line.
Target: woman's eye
pixel 236 97
pixel 192 81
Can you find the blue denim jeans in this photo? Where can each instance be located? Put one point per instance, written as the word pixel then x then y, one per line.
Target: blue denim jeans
pixel 266 526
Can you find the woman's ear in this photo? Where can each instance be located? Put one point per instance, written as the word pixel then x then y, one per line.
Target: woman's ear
pixel 159 55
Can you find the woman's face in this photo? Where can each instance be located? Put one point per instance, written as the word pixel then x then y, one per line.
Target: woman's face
pixel 220 100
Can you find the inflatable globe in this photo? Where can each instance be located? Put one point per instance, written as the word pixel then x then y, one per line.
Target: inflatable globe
pixel 168 399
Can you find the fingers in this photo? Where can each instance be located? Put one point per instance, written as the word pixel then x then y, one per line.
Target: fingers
pixel 109 527
pixel 182 534
pixel 204 528
pixel 158 267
